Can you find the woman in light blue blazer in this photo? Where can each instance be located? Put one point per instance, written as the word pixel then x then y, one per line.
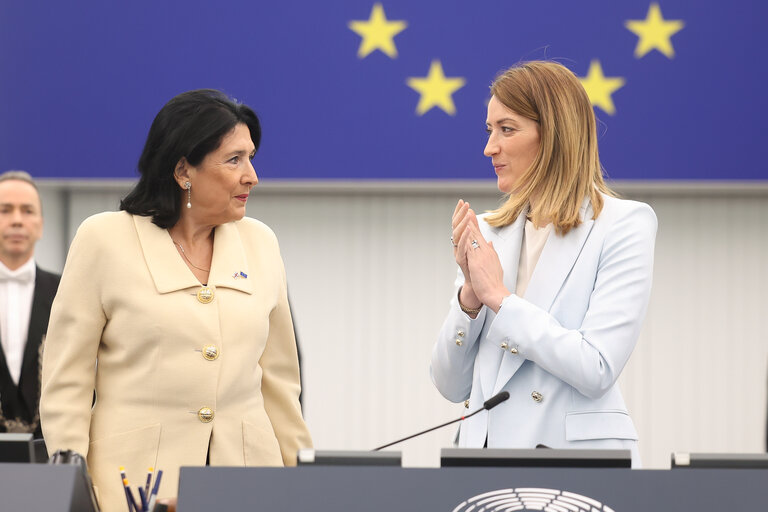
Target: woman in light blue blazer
pixel 552 286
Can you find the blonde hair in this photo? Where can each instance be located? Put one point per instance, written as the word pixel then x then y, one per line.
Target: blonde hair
pixel 567 166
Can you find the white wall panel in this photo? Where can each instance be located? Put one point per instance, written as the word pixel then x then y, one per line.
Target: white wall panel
pixel 370 273
pixel 49 252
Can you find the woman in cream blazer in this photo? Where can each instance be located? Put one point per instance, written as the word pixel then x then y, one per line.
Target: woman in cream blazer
pixel 180 326
pixel 553 286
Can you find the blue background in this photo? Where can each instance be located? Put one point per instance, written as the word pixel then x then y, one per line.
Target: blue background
pixel 80 83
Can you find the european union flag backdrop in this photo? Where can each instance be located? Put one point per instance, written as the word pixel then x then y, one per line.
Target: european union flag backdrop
pixel 394 89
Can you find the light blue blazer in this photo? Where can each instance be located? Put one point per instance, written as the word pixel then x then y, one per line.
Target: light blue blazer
pixel 560 349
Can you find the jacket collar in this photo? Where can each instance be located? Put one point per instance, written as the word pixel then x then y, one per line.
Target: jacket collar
pixel 557 259
pixel 509 250
pixel 512 231
pixel 169 271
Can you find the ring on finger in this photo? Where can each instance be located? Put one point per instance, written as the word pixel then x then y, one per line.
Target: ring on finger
pixel 475 245
pixel 453 243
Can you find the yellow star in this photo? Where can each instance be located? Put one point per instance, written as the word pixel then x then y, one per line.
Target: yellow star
pixel 599 88
pixel 377 33
pixel 436 89
pixel 654 32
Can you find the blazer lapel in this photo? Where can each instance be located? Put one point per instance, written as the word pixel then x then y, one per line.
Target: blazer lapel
pixel 38 323
pixel 166 267
pixel 170 273
pixel 507 241
pixel 555 263
pixel 557 259
pixel 6 382
pixel 229 267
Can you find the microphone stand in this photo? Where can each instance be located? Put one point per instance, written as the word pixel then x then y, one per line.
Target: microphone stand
pixel 488 405
pixel 428 430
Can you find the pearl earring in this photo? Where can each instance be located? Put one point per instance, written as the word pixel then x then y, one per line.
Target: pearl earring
pixel 188 186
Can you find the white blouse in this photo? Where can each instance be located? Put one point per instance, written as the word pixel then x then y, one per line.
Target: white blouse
pixel 534 240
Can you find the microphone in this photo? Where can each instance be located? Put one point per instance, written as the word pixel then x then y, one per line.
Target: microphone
pixel 487 406
pixel 494 401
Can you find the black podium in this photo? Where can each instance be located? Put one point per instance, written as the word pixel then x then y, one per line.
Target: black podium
pixel 44 488
pixel 464 489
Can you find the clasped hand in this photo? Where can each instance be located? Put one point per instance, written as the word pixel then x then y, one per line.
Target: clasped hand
pixel 483 275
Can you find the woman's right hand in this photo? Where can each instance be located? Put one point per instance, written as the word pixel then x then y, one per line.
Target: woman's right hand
pixel 463 215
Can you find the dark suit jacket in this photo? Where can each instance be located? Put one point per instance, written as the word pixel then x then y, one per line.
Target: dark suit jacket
pixel 22 401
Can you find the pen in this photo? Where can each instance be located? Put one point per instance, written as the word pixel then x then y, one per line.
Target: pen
pixel 153 496
pixel 127 492
pixel 144 500
pixel 131 499
pixel 149 481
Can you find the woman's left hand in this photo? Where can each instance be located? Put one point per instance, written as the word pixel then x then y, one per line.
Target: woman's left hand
pixel 485 268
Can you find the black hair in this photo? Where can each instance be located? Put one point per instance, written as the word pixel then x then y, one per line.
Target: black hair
pixel 189 126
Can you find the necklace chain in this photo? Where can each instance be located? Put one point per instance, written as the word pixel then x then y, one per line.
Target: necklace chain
pixel 184 253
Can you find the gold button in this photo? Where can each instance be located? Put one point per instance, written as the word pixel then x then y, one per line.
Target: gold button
pixel 537 397
pixel 466 404
pixel 460 334
pixel 205 295
pixel 504 346
pixel 458 341
pixel 513 350
pixel 205 414
pixel 211 352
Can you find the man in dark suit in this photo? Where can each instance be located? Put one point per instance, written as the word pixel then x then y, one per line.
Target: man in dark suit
pixel 26 294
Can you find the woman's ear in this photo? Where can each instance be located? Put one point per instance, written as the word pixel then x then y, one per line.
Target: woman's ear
pixel 181 172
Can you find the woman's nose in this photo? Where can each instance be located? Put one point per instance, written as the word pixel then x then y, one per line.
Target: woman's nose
pixel 250 177
pixel 491 148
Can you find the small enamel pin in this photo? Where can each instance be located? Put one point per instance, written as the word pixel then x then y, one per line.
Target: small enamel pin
pixel 238 275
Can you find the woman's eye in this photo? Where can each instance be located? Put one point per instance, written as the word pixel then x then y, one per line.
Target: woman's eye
pixel 234 160
pixel 507 129
pixel 488 131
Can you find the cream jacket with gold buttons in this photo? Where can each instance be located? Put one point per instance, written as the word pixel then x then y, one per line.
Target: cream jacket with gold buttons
pixel 176 378
pixel 558 350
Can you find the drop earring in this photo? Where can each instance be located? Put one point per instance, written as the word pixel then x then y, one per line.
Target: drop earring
pixel 188 186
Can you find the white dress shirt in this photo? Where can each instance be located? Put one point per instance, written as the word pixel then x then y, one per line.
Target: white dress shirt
pixel 17 288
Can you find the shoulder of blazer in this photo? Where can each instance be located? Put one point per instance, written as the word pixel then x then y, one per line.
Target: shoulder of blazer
pixel 106 220
pixel 623 213
pixel 101 231
pixel 614 207
pixel 252 230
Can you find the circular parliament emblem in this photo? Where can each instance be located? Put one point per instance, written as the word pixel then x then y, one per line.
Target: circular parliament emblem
pixel 529 498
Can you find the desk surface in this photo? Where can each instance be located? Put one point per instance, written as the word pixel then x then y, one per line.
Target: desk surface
pixel 375 489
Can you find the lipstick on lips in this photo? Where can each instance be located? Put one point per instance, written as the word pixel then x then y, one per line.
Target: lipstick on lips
pixel 242 197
